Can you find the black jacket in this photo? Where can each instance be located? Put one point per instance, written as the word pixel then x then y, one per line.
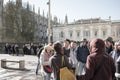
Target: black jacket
pixel 82 53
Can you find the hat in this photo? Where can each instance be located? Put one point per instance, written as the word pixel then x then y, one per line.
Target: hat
pixel 47 47
pixel 110 39
pixel 84 40
pixel 67 40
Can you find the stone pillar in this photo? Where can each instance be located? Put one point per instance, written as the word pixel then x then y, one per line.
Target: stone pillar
pixel 3 63
pixel 81 34
pixel 109 30
pixel 22 64
pixel 115 32
pixel 91 32
pixel 100 34
pixel 73 34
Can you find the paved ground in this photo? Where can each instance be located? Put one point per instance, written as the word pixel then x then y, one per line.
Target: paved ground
pixel 14 74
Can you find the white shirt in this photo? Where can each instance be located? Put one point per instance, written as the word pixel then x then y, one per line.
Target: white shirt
pixel 73 57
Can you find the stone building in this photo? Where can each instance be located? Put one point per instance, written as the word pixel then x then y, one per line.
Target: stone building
pixel 41 27
pixel 1 19
pixel 87 28
pixel 41 22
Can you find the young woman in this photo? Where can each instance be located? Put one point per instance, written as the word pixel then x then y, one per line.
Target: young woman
pixel 44 61
pixel 56 60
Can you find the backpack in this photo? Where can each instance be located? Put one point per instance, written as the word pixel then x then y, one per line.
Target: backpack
pixel 65 73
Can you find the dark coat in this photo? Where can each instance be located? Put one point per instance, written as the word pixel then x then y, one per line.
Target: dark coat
pixel 109 49
pixel 56 60
pixel 66 52
pixel 107 70
pixel 82 53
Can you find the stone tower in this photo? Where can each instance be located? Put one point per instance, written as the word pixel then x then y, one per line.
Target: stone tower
pixel 1 19
pixel 55 20
pixel 66 19
pixel 19 8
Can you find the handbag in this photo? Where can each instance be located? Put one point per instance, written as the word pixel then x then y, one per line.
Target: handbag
pixel 65 73
pixel 47 69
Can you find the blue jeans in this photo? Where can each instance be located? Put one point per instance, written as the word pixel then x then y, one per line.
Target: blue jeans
pixel 81 68
pixel 38 66
pixel 47 76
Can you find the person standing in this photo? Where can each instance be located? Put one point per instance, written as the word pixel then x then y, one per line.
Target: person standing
pixel 116 52
pixel 73 57
pixel 13 49
pixel 44 61
pixel 99 65
pixel 6 48
pixel 109 45
pixel 56 60
pixel 66 47
pixel 17 49
pixel 39 51
pixel 82 53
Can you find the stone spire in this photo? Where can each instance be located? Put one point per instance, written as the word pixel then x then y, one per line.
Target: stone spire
pixel 43 14
pixel 33 8
pixel 110 18
pixel 55 20
pixel 39 11
pixel 43 19
pixel 66 19
pixel 19 10
pixel 59 21
pixel 19 3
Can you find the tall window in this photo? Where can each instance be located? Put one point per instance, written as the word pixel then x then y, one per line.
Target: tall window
pixel 61 34
pixel 87 33
pixel 104 33
pixel 78 33
pixel 96 33
pixel 118 32
pixel 71 33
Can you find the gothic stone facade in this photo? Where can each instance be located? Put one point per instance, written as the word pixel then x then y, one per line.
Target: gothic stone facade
pixel 41 28
pixel 41 24
pixel 1 13
pixel 87 28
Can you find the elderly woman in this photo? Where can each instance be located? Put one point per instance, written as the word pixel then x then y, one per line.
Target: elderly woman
pixel 99 66
pixel 44 60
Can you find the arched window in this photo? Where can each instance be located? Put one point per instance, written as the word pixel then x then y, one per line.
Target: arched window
pixel 78 33
pixel 87 33
pixel 96 33
pixel 71 33
pixel 118 32
pixel 61 34
pixel 104 33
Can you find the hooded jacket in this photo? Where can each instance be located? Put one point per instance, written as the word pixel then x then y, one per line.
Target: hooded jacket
pixel 97 52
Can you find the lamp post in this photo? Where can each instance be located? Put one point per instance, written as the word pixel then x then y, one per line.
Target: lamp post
pixel 49 22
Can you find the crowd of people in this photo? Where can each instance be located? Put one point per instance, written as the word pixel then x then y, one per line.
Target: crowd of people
pixel 88 60
pixel 94 60
pixel 25 49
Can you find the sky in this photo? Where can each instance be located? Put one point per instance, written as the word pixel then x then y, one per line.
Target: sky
pixel 79 9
